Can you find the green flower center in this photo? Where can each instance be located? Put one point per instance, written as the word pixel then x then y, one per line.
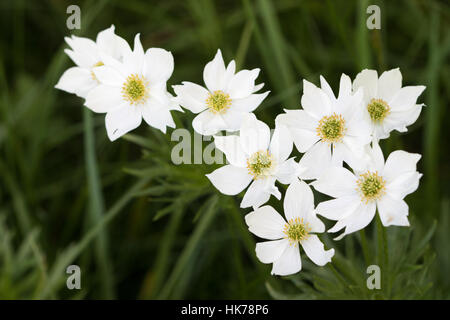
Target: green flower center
pixel 378 110
pixel 135 89
pixel 371 186
pixel 296 230
pixel 331 128
pixel 218 101
pixel 260 164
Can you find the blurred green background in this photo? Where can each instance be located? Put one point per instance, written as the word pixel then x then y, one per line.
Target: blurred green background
pixel 142 228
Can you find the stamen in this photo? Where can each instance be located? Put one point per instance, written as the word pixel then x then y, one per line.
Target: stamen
pixel 371 186
pixel 135 89
pixel 296 230
pixel 331 128
pixel 378 110
pixel 218 101
pixel 260 164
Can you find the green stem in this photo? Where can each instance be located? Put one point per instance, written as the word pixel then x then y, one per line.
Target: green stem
pixel 383 259
pixel 96 207
pixel 365 247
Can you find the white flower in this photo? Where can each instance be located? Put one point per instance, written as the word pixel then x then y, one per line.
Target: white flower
pixel 86 54
pixel 388 106
pixel 302 222
pixel 134 89
pixel 380 186
pixel 328 130
pixel 226 100
pixel 253 156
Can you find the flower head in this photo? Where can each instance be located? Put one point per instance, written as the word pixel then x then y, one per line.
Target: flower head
pixel 381 185
pixel 87 55
pixel 254 159
pixel 286 237
pixel 132 89
pixel 387 105
pixel 329 129
pixel 227 98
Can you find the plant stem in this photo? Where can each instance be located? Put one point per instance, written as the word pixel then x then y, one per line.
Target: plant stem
pixel 383 259
pixel 96 206
pixel 364 247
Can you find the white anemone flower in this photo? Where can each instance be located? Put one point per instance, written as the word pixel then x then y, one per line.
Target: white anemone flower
pixel 225 100
pixel 382 185
pixel 254 159
pixel 387 105
pixel 329 129
pixel 134 89
pixel 87 55
pixel 286 236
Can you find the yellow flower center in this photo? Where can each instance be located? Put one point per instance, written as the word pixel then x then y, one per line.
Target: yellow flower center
pixel 371 186
pixel 98 64
pixel 296 230
pixel 218 101
pixel 260 164
pixel 378 110
pixel 135 89
pixel 331 128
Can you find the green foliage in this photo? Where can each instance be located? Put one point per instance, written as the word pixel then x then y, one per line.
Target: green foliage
pixel 140 226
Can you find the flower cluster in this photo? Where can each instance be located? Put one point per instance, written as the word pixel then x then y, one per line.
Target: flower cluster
pixel 329 130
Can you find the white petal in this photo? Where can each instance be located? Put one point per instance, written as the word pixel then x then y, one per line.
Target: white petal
pixel 400 162
pixel 230 180
pixel 361 218
pixel 326 88
pixel 270 251
pixel 315 101
pixel 76 80
pixel 255 135
pixel 122 120
pixel 112 44
pixel 109 76
pixel 242 83
pixel 368 80
pixel 398 120
pixel 231 147
pixel 403 185
pixel 191 96
pixel 336 182
pixel 281 143
pixel 104 98
pixel 299 119
pixel 84 52
pixel 316 160
pixel 159 65
pixel 339 208
pixel 233 119
pixel 135 59
pixel 302 127
pixel 287 171
pixel 157 115
pixel 288 263
pixel 389 83
pixel 249 103
pixel 259 192
pixel 266 223
pixel 315 250
pixel 345 87
pixel 214 73
pixel 298 201
pixel 405 98
pixel 393 212
pixel 208 123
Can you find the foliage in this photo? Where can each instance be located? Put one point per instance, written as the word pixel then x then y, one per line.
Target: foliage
pixel 140 226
